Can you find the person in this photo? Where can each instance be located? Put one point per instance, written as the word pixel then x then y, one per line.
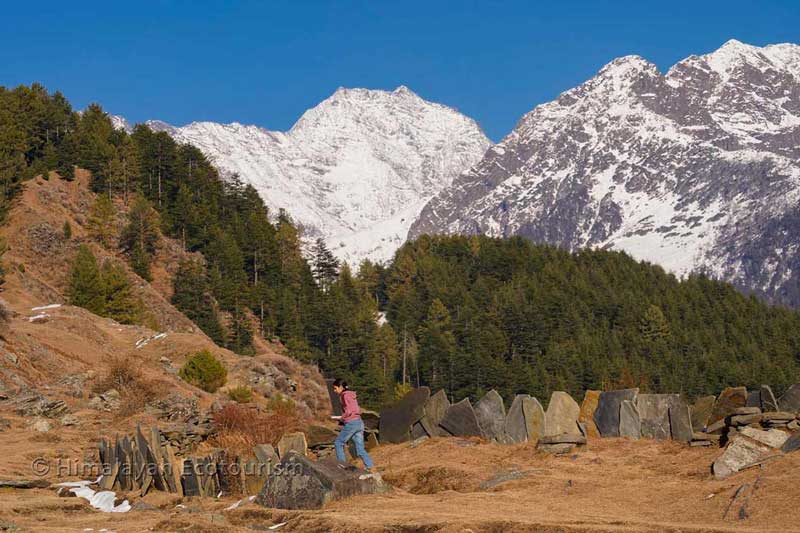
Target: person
pixel 352 425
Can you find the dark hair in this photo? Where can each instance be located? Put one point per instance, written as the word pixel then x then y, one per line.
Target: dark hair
pixel 340 383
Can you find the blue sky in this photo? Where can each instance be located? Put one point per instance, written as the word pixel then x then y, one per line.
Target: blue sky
pixel 266 62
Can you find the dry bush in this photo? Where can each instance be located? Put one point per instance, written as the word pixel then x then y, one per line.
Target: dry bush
pixel 134 389
pixel 238 428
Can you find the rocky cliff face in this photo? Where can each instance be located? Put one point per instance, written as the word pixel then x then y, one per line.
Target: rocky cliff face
pixel 696 169
pixel 356 169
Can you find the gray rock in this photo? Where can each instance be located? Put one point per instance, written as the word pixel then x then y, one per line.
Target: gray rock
pixel 729 400
pixel 418 430
pixel 12 358
pixel 534 418
pixel 265 453
pixel 743 420
pixel 42 425
pixel 701 411
pixel 396 421
pixel 768 401
pixel 563 439
pixel 317 435
pixel 739 453
pixel 460 420
pixel 753 399
pixel 299 483
pixel 774 438
pixel 630 425
pixel 69 420
pixel 525 420
pixel 747 410
pixel 790 401
pixel 792 443
pixel 501 478
pixel 371 419
pixel 562 415
pixel 606 416
pixel 491 415
pixel 24 483
pixel 654 414
pixel 294 442
pixel 556 449
pixel 680 421
pixel 435 408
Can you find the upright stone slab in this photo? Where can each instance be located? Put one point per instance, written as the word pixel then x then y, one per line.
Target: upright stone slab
pixel 606 416
pixel 190 479
pixel 396 421
pixel 753 398
pixel 295 442
pixel 435 408
pixel 680 421
pixel 792 443
pixel 534 418
pixel 768 402
pixel 317 435
pixel 654 414
pixel 460 420
pixel 790 401
pixel 630 426
pixel 265 453
pixel 730 399
pixel 491 415
pixel 701 411
pixel 299 483
pixel 371 419
pixel 336 402
pixel 586 416
pixel 515 425
pixel 561 417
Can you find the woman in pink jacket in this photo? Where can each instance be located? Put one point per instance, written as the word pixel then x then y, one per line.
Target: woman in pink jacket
pixel 353 426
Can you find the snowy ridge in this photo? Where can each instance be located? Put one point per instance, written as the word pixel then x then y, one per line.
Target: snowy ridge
pixel 695 170
pixel 356 169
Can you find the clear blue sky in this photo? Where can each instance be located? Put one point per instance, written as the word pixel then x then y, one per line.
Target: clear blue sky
pixel 266 62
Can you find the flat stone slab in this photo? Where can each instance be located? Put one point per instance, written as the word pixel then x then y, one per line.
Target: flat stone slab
pixel 563 439
pixel 790 401
pixel 295 442
pixel 680 421
pixel 317 435
pixel 654 414
pixel 460 420
pixel 396 421
pixel 781 416
pixel 774 438
pixel 630 426
pixel 747 410
pixel 728 401
pixel 491 415
pixel 792 443
pixel 562 415
pixel 299 483
pixel 739 453
pixel 701 411
pixel 586 416
pixel 743 420
pixel 434 410
pixel 24 483
pixel 606 416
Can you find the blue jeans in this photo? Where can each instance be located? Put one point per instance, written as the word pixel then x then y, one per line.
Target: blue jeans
pixel 353 430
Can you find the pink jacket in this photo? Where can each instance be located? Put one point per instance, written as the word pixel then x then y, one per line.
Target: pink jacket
pixel 350 410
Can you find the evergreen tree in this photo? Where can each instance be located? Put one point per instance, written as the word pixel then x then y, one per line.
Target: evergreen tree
pixel 192 296
pixel 326 266
pixel 120 303
pixel 654 325
pixel 85 283
pixel 140 236
pixel 101 220
pixel 437 347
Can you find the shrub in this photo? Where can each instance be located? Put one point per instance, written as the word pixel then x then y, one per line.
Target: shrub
pixel 205 371
pixel 238 427
pixel 134 390
pixel 241 394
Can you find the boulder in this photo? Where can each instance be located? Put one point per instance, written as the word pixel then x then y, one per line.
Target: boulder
pixel 295 442
pixel 396 421
pixel 729 399
pixel 680 421
pixel 265 453
pixel 525 420
pixel 701 411
pixel 774 438
pixel 317 435
pixel 586 416
pixel 460 420
pixel 561 416
pixel 435 408
pixel 491 415
pixel 768 401
pixel 790 401
pixel 654 414
pixel 739 453
pixel 606 416
pixel 299 483
pixel 371 419
pixel 792 443
pixel 630 425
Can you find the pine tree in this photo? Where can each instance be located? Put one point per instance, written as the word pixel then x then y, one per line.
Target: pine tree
pixel 437 347
pixel 85 283
pixel 120 303
pixel 654 325
pixel 101 220
pixel 240 336
pixel 140 237
pixel 192 295
pixel 326 266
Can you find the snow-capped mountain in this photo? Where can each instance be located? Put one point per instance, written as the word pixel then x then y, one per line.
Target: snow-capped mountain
pixel 356 169
pixel 695 170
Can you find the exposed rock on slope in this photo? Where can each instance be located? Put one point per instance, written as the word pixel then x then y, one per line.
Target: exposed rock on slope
pixel 694 170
